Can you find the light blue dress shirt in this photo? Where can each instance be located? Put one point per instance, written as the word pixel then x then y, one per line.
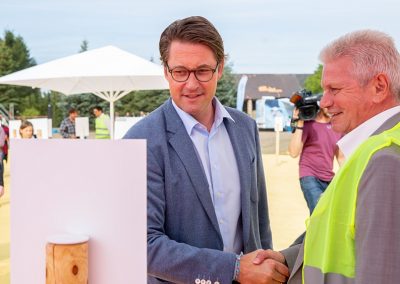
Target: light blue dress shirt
pixel 215 151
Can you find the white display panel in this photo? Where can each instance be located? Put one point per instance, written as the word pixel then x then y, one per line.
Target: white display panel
pixel 80 187
pixel 123 124
pixel 42 128
pixel 82 127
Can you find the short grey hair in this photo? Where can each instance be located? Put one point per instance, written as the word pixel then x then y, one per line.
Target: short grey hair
pixel 372 52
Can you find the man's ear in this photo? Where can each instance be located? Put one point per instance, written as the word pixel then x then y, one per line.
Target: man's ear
pixel 381 86
pixel 165 72
pixel 220 69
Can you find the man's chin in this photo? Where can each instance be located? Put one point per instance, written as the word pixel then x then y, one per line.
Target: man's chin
pixel 337 126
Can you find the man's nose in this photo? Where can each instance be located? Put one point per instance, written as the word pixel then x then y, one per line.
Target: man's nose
pixel 192 81
pixel 326 100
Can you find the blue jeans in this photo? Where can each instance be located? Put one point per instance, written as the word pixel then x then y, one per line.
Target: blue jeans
pixel 312 188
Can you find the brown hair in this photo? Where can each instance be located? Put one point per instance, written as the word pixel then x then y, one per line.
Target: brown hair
pixel 99 108
pixel 195 29
pixel 72 110
pixel 25 124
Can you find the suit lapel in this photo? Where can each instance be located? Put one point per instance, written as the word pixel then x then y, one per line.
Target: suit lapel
pixel 243 163
pixel 183 145
pixel 298 265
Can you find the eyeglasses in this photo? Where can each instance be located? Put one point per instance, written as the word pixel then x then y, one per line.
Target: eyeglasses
pixel 202 74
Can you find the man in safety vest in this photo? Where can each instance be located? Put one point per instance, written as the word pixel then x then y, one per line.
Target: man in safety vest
pixel 102 123
pixel 353 234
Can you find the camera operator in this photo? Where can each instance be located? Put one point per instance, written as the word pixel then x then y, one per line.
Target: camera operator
pixel 315 142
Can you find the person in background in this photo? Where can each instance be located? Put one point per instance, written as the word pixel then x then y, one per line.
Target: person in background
pixel 315 142
pixel 353 234
pixel 7 131
pixel 2 143
pixel 207 211
pixel 6 145
pixel 67 127
pixel 26 130
pixel 102 123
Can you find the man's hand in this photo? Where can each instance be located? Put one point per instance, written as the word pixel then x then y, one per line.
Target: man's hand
pixel 267 271
pixel 1 190
pixel 296 117
pixel 268 254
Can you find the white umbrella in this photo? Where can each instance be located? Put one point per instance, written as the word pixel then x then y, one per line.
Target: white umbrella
pixel 107 72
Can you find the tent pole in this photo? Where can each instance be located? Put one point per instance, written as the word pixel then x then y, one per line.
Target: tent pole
pixel 112 119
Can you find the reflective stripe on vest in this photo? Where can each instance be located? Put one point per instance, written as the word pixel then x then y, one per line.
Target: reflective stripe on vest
pixel 330 240
pixel 101 128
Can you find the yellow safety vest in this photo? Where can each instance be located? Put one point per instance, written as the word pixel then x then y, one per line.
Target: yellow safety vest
pixel 330 238
pixel 101 127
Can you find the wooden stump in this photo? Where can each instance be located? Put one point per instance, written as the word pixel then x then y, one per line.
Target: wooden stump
pixel 67 263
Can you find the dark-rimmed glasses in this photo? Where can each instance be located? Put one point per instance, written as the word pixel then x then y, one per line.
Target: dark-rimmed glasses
pixel 202 74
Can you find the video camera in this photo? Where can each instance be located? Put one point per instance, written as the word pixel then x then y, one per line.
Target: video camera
pixel 307 104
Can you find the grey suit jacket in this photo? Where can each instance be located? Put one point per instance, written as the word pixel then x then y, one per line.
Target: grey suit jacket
pixel 377 222
pixel 183 237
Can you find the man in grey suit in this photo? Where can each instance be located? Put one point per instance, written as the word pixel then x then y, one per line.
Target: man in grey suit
pixel 206 197
pixel 353 234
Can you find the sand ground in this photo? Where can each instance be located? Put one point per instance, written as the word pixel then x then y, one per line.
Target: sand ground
pixel 287 207
pixel 5 229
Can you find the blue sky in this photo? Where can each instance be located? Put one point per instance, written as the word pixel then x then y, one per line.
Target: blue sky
pixel 260 36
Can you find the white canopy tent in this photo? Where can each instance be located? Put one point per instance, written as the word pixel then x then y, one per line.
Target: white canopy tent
pixel 107 72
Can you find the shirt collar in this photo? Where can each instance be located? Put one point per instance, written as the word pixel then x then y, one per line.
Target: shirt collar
pixel 190 122
pixel 350 142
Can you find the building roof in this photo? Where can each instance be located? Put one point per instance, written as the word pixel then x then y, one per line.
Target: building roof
pixel 277 85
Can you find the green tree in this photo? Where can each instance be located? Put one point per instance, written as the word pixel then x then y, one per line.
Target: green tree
pixel 58 106
pixel 30 111
pixel 19 50
pixel 141 101
pixel 313 82
pixel 15 56
pixel 227 87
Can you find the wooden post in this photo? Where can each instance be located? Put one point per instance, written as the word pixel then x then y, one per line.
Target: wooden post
pixel 67 260
pixel 277 143
pixel 250 107
pixel 278 127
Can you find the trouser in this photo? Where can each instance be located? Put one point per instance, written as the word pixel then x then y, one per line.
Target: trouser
pixel 312 188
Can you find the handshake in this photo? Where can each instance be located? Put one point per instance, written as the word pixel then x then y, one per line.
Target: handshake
pixel 263 267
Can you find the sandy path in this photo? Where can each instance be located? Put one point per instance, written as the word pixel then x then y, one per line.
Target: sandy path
pixel 287 207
